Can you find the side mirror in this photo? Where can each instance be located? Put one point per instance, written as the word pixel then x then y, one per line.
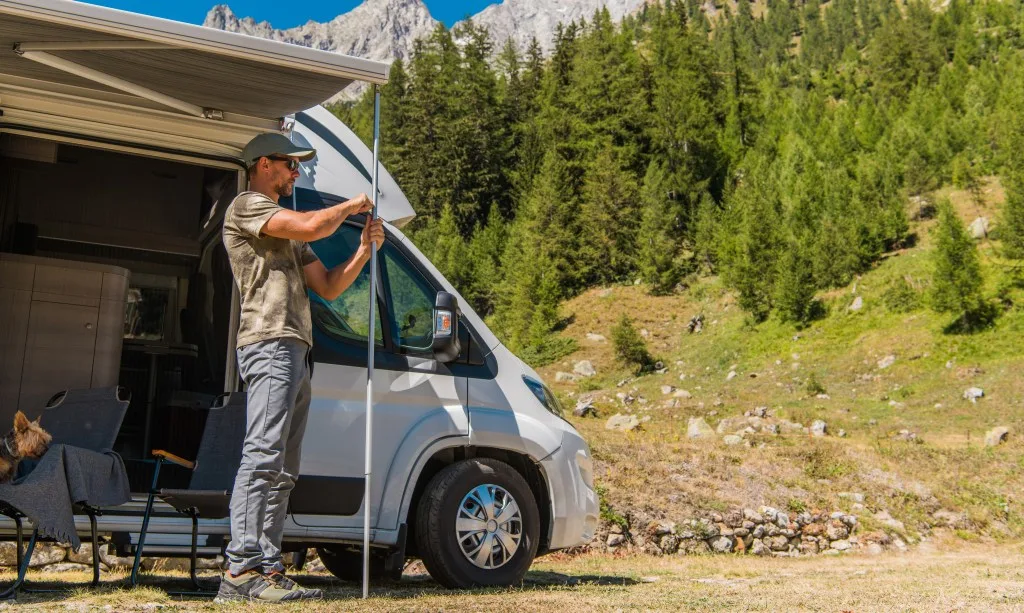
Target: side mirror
pixel 446 344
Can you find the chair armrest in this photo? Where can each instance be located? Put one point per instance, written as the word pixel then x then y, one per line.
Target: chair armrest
pixel 170 457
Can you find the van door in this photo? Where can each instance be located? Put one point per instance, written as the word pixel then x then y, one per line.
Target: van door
pixel 416 401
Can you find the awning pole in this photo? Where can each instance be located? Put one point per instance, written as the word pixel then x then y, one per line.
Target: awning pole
pixel 369 351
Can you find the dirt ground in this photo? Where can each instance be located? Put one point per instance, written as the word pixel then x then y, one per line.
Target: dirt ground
pixel 947 577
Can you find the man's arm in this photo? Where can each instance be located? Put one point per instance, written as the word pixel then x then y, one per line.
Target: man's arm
pixel 309 226
pixel 329 284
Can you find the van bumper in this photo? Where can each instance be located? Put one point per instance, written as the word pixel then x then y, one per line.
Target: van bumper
pixel 574 505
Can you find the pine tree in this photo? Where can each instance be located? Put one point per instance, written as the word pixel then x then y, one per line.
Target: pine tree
pixel 608 220
pixel 659 242
pixel 794 285
pixel 957 280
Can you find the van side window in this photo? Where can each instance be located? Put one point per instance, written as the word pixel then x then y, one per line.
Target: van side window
pixel 346 318
pixel 411 303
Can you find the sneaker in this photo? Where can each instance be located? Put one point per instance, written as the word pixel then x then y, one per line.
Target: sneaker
pixel 279 579
pixel 251 585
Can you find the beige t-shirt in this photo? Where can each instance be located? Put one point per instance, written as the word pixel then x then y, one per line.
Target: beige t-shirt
pixel 268 272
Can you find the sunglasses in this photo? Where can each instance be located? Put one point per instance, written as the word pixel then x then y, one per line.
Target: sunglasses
pixel 292 163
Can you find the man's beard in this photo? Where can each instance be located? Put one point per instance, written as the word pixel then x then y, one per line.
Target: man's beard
pixel 285 190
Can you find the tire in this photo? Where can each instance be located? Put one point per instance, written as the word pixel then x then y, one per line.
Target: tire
pixel 346 563
pixel 450 496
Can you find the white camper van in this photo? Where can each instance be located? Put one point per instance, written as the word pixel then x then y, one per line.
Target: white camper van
pixel 119 144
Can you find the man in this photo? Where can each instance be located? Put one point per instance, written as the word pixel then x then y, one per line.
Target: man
pixel 273 266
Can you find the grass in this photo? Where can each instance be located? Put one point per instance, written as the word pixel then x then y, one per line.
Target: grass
pixel 660 473
pixel 950 574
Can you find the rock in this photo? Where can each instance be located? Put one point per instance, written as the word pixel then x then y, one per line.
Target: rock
pixel 732 439
pixel 667 389
pixel 836 530
pixel 979 228
pixel 777 543
pixel 808 547
pixel 45 554
pixel 661 528
pixel 758 531
pixel 753 516
pixel 886 362
pixel 731 375
pixel 669 544
pixel 8 553
pixel 564 377
pixel 973 393
pixel 584 407
pixel 697 428
pixel 68 567
pixel 693 546
pixel 721 544
pixel 584 368
pixel 84 555
pixel 624 423
pixel 949 519
pixel 841 545
pixel 854 496
pixel 614 540
pixel 782 520
pixel 819 428
pixel 730 425
pixel 874 549
pixel 814 529
pixel 113 561
pixel 858 304
pixel 823 397
pixel 841 433
pixel 887 520
pixel 596 338
pixel 997 436
pixel 683 394
pixel 758 548
pixel 906 435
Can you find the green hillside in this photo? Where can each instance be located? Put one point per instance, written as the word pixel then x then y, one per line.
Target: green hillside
pixel 656 472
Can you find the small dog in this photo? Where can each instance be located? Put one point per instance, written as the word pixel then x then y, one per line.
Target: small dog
pixel 27 439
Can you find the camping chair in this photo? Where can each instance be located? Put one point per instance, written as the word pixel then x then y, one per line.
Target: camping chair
pixel 84 418
pixel 213 477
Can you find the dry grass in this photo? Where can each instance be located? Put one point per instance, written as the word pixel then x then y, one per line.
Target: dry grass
pixel 946 577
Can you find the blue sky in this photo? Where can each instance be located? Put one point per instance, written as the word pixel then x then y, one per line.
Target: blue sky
pixel 282 13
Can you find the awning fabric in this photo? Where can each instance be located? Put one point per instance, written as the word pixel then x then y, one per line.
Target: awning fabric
pixel 227 72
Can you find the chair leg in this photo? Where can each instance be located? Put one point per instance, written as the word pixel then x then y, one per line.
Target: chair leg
pixel 95 551
pixel 134 578
pixel 12 591
pixel 192 559
pixel 21 540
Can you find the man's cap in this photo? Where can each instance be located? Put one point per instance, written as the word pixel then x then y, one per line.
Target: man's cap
pixel 273 143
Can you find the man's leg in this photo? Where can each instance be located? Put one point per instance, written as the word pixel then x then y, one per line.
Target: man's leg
pixel 270 368
pixel 277 505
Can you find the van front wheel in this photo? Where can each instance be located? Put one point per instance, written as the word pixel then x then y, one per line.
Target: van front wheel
pixel 477 525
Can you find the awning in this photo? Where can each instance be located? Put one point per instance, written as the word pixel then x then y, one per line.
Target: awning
pixel 183 68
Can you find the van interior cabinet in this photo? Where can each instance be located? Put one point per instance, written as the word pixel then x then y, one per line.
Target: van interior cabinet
pixel 64 322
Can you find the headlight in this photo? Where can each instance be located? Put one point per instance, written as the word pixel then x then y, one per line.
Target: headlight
pixel 545 396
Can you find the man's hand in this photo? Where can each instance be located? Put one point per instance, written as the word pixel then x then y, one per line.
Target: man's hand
pixel 359 204
pixel 372 232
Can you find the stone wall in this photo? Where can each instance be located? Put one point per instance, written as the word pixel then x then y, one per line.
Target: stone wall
pixel 766 531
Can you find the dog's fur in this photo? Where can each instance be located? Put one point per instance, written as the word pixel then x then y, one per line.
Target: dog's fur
pixel 27 439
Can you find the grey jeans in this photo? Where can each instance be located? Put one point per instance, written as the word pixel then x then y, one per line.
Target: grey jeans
pixel 277 374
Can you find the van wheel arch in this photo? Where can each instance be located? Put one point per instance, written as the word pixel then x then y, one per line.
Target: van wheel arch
pixel 526 466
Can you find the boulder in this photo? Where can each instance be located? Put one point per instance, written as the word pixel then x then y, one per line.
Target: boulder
pixel 584 368
pixel 841 545
pixel 614 540
pixel 584 407
pixel 758 548
pixel 858 304
pixel 732 439
pixel 68 567
pixel 729 425
pixel 731 375
pixel 777 543
pixel 819 428
pixel 564 377
pixel 887 520
pixel 624 423
pixel 973 393
pixel 721 544
pixel 753 516
pixel 887 361
pixel 683 394
pixel 697 428
pixel 979 228
pixel 46 554
pixel 997 436
pixel 836 530
pixel 596 338
pixel 8 553
pixel 667 389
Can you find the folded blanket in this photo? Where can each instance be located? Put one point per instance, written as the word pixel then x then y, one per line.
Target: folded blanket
pixel 66 476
